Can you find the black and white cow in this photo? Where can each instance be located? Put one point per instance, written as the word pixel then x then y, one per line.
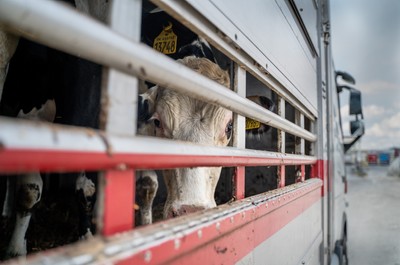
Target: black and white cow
pixel 67 82
pixel 41 83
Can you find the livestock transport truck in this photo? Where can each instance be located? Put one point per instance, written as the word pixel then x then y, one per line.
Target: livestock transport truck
pixel 281 194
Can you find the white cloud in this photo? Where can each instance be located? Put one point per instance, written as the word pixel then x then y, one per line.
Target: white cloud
pixel 374 143
pixel 379 87
pixel 373 111
pixel 394 122
pixel 388 128
pixel 376 130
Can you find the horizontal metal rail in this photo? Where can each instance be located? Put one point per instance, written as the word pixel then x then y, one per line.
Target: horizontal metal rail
pixel 42 20
pixel 66 148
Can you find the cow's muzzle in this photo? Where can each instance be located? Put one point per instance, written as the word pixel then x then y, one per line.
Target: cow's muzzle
pixel 184 209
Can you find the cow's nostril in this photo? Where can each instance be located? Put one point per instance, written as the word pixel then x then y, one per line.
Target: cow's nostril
pixel 183 210
pixel 172 213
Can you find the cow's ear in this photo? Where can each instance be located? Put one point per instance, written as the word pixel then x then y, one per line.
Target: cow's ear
pixel 47 112
pixel 267 103
pixel 263 101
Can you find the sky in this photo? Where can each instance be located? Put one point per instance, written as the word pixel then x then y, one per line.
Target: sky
pixel 366 44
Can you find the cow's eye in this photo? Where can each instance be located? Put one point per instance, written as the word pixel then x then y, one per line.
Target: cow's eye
pixel 228 129
pixel 157 123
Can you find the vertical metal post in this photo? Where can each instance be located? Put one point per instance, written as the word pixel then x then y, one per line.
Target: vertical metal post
pixel 119 113
pixel 281 143
pixel 300 143
pixel 297 119
pixel 239 139
pixel 316 169
pixel 118 201
pixel 302 148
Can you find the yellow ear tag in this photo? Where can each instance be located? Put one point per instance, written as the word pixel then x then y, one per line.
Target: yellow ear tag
pixel 252 124
pixel 166 41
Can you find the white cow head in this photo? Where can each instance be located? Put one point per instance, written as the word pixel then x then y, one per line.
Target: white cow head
pixel 181 117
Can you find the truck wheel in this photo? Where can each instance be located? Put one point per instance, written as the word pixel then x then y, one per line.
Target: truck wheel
pixel 345 253
pixel 341 251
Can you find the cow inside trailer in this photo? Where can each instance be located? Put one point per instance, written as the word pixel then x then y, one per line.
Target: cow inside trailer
pixel 275 186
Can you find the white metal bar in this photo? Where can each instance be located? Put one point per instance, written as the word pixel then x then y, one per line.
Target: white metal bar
pixel 281 143
pixel 313 146
pixel 119 90
pixel 302 142
pixel 118 116
pixel 42 20
pixel 17 134
pixel 299 120
pixel 240 122
pixel 240 134
pixel 302 146
pixel 201 26
pixel 297 143
pixel 282 135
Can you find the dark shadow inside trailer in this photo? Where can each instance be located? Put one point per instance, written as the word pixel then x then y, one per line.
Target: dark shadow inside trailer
pixel 55 218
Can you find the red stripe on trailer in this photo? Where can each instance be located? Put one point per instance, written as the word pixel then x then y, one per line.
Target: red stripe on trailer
pixel 20 160
pixel 282 176
pixel 119 195
pixel 318 171
pixel 229 239
pixel 235 246
pixel 239 183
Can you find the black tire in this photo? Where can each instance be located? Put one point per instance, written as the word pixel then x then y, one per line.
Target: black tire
pixel 345 252
pixel 341 251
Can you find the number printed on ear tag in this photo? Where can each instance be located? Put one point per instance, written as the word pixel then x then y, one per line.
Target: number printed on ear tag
pixel 252 124
pixel 166 41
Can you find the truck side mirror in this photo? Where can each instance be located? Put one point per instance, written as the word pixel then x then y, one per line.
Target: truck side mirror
pixel 355 102
pixel 346 77
pixel 357 127
pixel 357 130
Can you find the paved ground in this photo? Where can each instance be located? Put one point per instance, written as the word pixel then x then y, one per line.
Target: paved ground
pixel 374 218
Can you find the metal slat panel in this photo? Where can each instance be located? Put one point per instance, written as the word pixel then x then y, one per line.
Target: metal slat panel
pixel 39 21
